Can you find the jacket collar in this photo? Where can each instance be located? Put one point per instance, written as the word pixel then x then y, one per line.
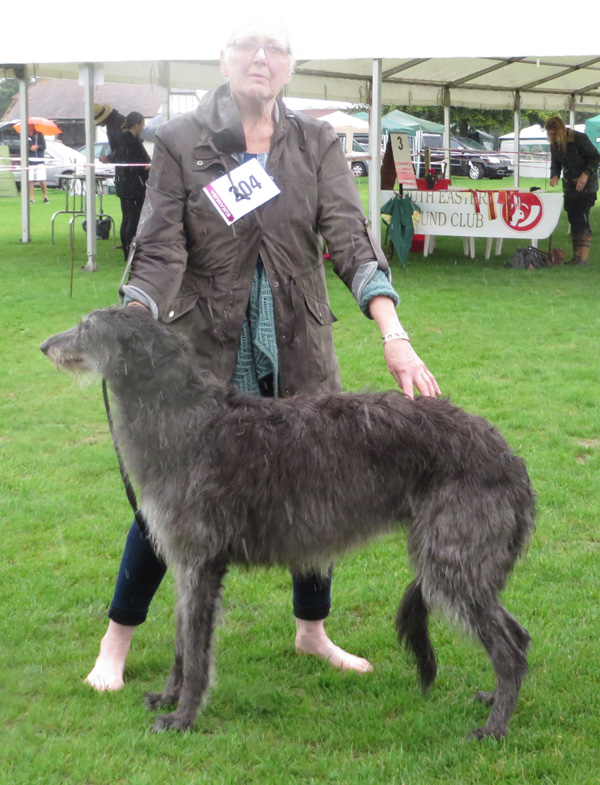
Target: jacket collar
pixel 218 116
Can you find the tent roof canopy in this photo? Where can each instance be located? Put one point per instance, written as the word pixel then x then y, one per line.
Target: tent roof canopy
pixel 551 83
pixel 397 119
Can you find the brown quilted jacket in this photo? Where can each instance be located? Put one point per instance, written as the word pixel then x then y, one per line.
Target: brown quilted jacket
pixel 199 270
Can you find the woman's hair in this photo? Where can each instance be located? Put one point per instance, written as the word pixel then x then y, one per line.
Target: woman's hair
pixel 133 118
pixel 557 125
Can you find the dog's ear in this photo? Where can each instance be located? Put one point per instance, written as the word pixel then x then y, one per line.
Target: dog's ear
pixel 142 345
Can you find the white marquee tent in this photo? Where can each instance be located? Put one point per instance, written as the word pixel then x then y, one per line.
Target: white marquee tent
pixel 509 57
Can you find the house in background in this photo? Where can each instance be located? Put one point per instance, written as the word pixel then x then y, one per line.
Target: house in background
pixel 62 100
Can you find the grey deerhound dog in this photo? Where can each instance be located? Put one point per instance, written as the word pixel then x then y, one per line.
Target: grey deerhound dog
pixel 231 478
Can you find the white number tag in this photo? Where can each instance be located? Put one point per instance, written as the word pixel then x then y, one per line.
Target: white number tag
pixel 243 190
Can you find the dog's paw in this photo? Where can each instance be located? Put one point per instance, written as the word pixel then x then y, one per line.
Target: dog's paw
pixel 487 698
pixel 483 733
pixel 172 722
pixel 157 700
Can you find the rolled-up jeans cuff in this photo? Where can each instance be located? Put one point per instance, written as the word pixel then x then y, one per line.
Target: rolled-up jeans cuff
pixel 316 613
pixel 312 595
pixel 127 618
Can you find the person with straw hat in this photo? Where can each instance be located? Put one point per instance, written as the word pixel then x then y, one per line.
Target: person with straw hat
pixel 112 121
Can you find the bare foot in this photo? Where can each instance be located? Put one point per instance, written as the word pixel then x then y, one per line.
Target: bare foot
pixel 107 673
pixel 311 638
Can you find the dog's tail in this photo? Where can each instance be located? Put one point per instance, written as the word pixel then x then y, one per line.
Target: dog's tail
pixel 411 624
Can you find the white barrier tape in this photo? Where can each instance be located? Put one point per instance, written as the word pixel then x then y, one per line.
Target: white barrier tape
pixel 471 152
pixel 56 162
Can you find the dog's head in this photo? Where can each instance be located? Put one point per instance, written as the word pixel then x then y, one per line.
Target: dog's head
pixel 115 343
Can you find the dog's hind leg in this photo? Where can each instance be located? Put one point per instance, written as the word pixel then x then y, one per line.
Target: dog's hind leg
pixel 522 640
pixel 506 644
pixel 411 624
pixel 199 592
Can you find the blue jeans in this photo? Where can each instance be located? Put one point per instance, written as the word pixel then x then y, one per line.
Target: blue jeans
pixel 142 571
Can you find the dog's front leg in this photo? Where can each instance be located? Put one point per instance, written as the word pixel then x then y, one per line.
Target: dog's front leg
pixel 199 592
pixel 170 695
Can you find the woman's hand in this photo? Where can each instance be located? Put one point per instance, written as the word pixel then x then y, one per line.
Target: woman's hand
pixel 581 181
pixel 553 181
pixel 408 369
pixel 403 362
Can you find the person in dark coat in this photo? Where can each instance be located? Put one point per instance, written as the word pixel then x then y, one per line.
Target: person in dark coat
pixel 130 181
pixel 112 121
pixel 575 157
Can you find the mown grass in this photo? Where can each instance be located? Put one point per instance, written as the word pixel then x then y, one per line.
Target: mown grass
pixel 520 348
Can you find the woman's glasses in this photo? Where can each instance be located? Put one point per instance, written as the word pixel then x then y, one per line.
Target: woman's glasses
pixel 250 46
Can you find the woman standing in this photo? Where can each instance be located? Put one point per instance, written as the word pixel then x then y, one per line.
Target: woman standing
pixel 130 181
pixel 574 155
pixel 252 295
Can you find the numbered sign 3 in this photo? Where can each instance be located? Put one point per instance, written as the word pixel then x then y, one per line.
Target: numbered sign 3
pixel 243 190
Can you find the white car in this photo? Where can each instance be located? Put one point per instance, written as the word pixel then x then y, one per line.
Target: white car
pixel 358 159
pixel 62 161
pixel 101 149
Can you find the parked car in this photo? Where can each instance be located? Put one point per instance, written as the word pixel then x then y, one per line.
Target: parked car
pixel 10 137
pixel 468 158
pixel 60 161
pixel 100 149
pixel 358 158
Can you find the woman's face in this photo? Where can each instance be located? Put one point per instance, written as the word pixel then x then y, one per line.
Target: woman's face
pixel 257 62
pixel 137 129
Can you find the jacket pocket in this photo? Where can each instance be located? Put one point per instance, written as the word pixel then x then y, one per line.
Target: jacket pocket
pixel 320 310
pixel 319 361
pixel 181 305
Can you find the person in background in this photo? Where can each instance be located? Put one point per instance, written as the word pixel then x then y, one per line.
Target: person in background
pixel 252 296
pixel 37 163
pixel 574 156
pixel 130 181
pixel 112 121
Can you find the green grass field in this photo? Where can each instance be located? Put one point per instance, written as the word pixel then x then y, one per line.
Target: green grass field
pixel 520 348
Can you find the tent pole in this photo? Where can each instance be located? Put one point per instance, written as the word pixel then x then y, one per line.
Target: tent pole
pixel 517 141
pixel 375 151
pixel 446 104
pixel 572 110
pixel 165 78
pixel 87 72
pixel 24 134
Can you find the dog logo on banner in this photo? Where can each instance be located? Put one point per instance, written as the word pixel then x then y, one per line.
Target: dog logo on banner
pixel 521 212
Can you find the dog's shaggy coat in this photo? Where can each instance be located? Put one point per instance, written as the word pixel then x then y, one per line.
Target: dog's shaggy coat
pixel 231 478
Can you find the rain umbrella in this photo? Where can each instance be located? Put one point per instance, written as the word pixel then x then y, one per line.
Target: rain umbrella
pixel 46 127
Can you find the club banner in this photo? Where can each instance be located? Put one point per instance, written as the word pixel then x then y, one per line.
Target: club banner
pixel 502 214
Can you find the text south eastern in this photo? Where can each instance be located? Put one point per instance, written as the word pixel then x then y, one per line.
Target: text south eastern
pixel 450 197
